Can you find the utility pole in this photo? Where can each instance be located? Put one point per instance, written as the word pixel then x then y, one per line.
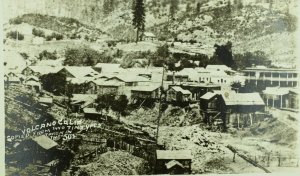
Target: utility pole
pixel 159 107
pixel 159 116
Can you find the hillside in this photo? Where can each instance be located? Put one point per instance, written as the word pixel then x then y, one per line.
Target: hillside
pixel 252 26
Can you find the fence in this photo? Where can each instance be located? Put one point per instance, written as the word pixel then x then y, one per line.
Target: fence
pixel 267 160
pixel 272 160
pixel 145 151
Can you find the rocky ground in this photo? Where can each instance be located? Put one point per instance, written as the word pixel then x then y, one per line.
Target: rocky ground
pixel 179 130
pixel 114 163
pixel 276 136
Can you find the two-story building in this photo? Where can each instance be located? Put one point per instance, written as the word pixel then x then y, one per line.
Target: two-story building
pixel 262 76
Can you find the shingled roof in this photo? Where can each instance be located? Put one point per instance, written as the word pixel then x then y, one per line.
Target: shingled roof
pixel 45 142
pixel 232 98
pixel 179 89
pixel 173 154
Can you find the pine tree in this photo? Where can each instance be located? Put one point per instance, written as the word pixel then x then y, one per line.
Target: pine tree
pixel 229 7
pixel 198 8
pixel 173 7
pixel 138 17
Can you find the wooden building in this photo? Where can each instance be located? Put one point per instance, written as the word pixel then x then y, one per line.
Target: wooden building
pixel 237 109
pixel 39 70
pixel 145 92
pixel 177 94
pixel 46 101
pixel 33 83
pixel 148 36
pixel 103 86
pixel 272 77
pixel 199 89
pixel 173 161
pixel 293 99
pixel 276 97
pixel 78 72
pixel 37 150
pixel 91 113
pixel 81 101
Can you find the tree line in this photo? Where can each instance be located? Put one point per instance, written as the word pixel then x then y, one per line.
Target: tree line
pixel 223 55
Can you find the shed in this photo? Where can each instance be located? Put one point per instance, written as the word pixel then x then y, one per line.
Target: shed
pixel 80 101
pixel 173 161
pixel 176 93
pixel 38 40
pixel 143 92
pixel 148 36
pixel 91 113
pixel 46 101
pixel 45 142
pixel 40 149
pixel 175 167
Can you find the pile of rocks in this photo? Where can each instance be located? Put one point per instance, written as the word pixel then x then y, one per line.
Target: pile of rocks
pixel 115 163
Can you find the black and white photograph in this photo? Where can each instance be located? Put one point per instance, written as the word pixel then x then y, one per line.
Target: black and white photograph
pixel 150 87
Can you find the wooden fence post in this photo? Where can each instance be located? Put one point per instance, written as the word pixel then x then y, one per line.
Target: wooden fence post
pixel 279 163
pixel 233 159
pixel 268 162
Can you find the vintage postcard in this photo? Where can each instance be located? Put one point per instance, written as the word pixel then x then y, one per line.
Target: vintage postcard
pixel 147 87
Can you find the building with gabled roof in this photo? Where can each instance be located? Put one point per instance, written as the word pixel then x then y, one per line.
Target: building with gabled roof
pixel 104 86
pixel 81 101
pixel 14 61
pixel 78 72
pixel 177 94
pixel 148 36
pixel 91 113
pixel 40 70
pixel 45 142
pixel 130 79
pixel 237 109
pixel 168 159
pixel 146 92
pixel 39 149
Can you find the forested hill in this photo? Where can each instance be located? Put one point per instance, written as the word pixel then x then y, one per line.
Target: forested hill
pixel 251 25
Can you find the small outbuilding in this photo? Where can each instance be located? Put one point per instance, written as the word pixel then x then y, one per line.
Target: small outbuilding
pixel 177 94
pixel 145 92
pixel 91 113
pixel 173 161
pixel 149 36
